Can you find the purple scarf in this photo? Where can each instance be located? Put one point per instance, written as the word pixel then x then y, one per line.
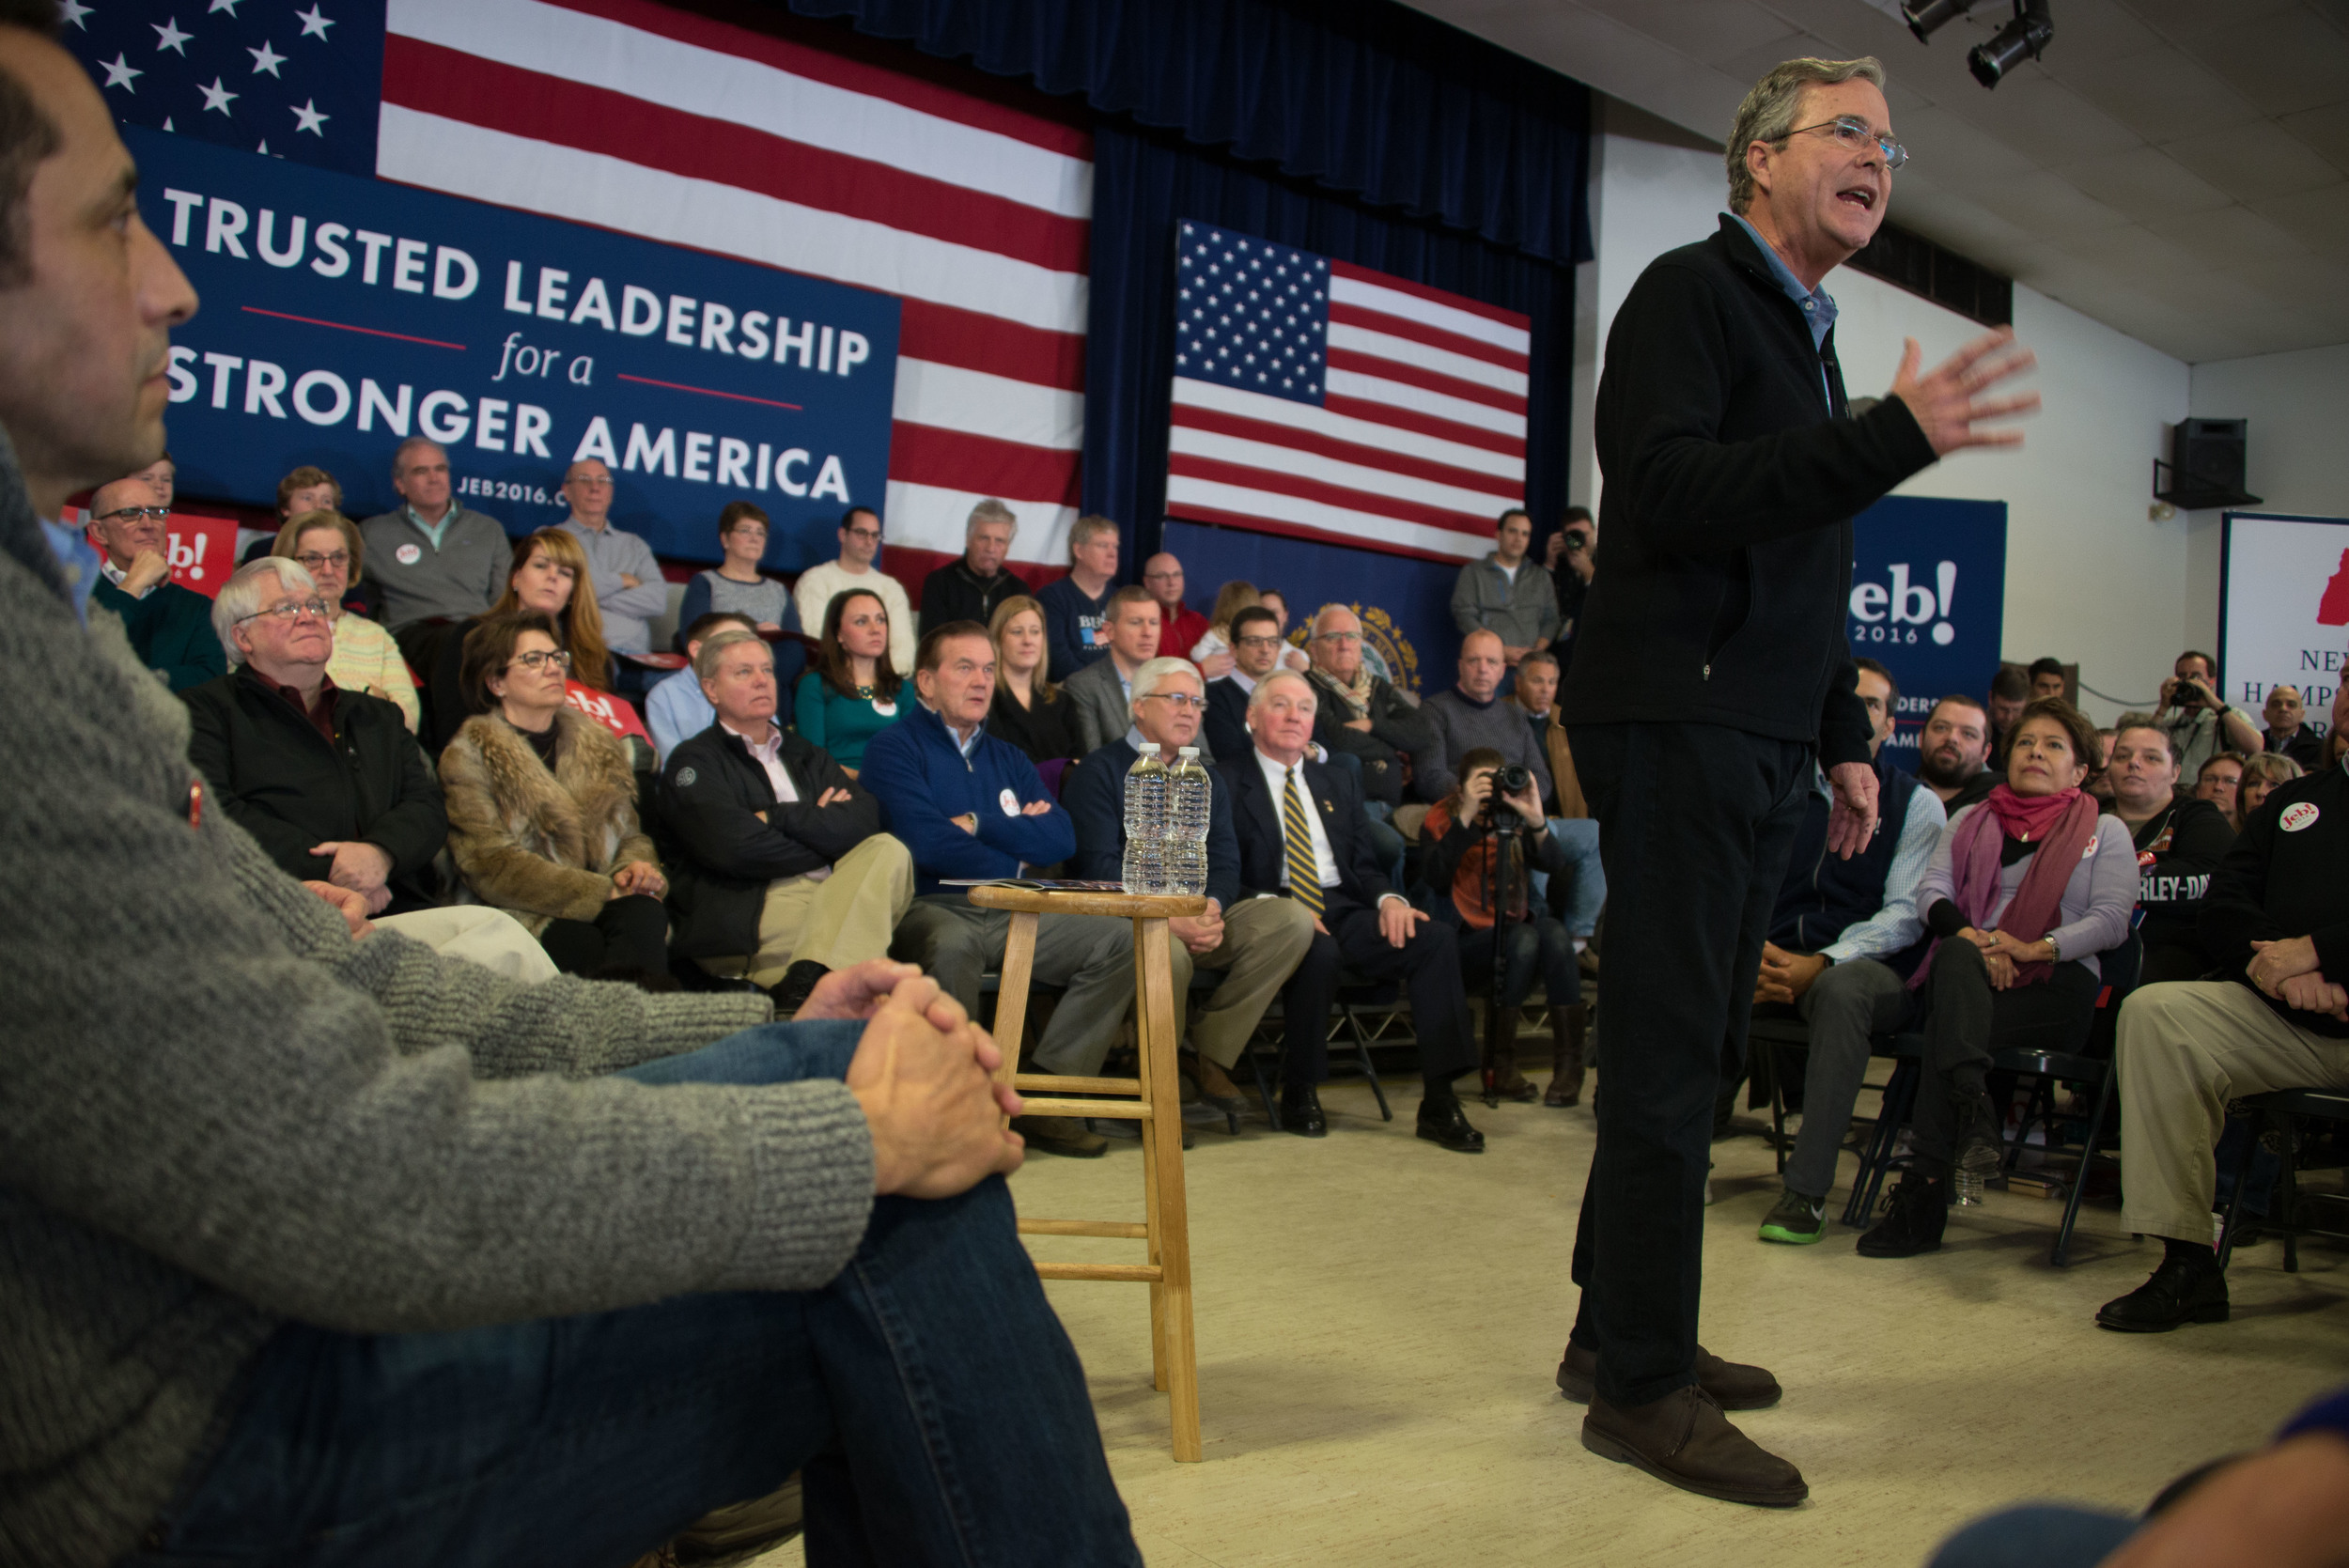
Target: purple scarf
pixel 2064 824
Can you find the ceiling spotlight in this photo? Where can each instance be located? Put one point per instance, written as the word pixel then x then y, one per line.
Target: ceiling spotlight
pixel 1925 16
pixel 2029 33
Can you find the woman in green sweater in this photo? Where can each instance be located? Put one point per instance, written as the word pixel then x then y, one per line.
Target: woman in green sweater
pixel 853 693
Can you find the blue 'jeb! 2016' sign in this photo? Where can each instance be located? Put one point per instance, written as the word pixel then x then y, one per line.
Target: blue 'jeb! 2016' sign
pixel 341 315
pixel 1928 602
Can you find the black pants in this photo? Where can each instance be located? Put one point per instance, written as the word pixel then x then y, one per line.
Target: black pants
pixel 1539 949
pixel 1966 1020
pixel 1429 968
pixel 629 932
pixel 1696 825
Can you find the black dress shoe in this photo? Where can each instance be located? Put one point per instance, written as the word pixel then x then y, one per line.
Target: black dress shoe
pixel 1300 1113
pixel 1448 1124
pixel 2184 1289
pixel 790 992
pixel 1912 1222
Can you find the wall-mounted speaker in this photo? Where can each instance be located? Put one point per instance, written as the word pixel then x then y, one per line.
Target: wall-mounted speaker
pixel 2207 459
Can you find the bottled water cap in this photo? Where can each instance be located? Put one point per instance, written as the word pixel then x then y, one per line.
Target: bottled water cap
pixel 1149 748
pixel 1187 751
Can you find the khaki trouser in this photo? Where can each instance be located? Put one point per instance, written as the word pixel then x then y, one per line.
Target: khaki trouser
pixel 844 918
pixel 2186 1049
pixel 1264 940
pixel 479 935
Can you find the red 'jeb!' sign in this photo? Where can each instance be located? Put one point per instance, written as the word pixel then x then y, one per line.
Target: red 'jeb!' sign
pixel 609 711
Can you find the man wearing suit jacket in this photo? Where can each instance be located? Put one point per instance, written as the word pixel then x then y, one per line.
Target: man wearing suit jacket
pixel 1101 689
pixel 1302 833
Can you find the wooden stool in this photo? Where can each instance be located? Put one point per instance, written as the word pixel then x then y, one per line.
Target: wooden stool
pixel 1153 1100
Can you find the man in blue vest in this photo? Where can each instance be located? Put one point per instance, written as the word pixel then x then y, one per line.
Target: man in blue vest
pixel 1843 940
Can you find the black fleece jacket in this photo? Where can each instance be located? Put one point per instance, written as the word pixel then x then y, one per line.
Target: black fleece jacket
pixel 1732 473
pixel 2287 875
pixel 721 856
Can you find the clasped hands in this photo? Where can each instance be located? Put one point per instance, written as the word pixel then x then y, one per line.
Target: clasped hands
pixel 2002 954
pixel 363 868
pixel 2288 972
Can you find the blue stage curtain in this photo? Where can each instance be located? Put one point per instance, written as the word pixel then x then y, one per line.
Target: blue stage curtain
pixel 1146 182
pixel 1364 97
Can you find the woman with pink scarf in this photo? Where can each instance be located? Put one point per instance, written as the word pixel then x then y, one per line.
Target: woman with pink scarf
pixel 2024 891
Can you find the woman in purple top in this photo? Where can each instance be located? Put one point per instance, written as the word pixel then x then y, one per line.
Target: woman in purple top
pixel 2023 891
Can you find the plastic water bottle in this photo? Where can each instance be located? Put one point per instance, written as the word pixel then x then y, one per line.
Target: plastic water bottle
pixel 1189 798
pixel 1145 822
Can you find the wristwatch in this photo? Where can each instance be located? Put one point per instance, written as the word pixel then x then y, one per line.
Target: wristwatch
pixel 2055 948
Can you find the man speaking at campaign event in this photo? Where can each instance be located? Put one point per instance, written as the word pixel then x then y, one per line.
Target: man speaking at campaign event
pixel 1709 672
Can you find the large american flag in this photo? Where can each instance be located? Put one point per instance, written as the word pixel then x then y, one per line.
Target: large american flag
pixel 1317 398
pixel 668 125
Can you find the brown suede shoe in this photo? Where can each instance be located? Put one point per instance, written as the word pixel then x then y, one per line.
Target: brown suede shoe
pixel 1733 1385
pixel 1684 1441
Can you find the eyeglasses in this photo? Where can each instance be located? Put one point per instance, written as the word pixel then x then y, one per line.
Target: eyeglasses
pixel 133 513
pixel 1179 699
pixel 590 484
pixel 867 534
pixel 286 611
pixel 540 659
pixel 1854 134
pixel 313 561
pixel 1339 637
pixel 1260 642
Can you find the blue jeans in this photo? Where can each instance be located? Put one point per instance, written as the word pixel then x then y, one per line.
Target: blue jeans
pixel 1586 892
pixel 928 1394
pixel 2037 1535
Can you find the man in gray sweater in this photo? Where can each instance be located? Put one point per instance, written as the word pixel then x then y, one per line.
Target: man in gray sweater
pixel 1471 715
pixel 434 559
pixel 317 1244
pixel 1507 595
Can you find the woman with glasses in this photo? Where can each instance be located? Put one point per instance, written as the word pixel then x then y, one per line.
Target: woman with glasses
pixel 736 585
pixel 542 810
pixel 853 693
pixel 549 574
pixel 327 545
pixel 1028 710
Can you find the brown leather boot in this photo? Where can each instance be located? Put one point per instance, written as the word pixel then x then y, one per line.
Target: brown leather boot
pixel 1684 1441
pixel 1508 1083
pixel 1567 1027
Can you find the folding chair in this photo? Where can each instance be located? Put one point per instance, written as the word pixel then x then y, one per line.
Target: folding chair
pixel 1787 1040
pixel 2281 1110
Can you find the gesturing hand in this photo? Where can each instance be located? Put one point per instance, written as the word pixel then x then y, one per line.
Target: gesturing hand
pixel 935 1115
pixel 1944 403
pixel 1853 822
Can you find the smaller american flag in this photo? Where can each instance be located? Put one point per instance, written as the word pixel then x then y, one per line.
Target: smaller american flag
pixel 1317 398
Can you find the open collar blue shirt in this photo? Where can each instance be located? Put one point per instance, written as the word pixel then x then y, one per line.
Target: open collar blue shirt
pixel 1818 306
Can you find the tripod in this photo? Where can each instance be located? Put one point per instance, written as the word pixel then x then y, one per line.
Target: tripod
pixel 1502 831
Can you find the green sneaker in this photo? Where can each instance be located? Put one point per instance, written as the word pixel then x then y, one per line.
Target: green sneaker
pixel 1796 1220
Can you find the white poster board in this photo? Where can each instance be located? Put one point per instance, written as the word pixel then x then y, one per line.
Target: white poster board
pixel 2283 609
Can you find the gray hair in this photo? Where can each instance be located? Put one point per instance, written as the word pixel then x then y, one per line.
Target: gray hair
pixel 714 646
pixel 240 596
pixel 1326 610
pixel 991 510
pixel 1767 115
pixel 1153 675
pixel 399 453
pixel 1257 699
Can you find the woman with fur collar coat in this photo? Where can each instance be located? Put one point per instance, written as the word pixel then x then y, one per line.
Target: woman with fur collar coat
pixel 542 810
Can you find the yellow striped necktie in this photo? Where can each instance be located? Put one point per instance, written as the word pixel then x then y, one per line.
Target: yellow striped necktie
pixel 1304 876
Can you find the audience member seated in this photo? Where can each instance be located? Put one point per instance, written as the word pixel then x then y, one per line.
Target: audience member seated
pixel 328 779
pixel 1256 942
pixel 2289 733
pixel 736 584
pixel 1181 629
pixel 853 690
pixel 974 586
pixel 676 709
pixel 2010 690
pixel 2047 679
pixel 2261 775
pixel 859 548
pixel 1214 647
pixel 1571 825
pixel 2179 842
pixel 301 491
pixel 1460 875
pixel 542 808
pixel 630 592
pixel 1257 649
pixel 434 560
pixel 1301 833
pixel 1952 751
pixel 2023 891
pixel 784 871
pixel 1077 607
pixel 547 572
pixel 1363 715
pixel 1097 694
pixel 1473 716
pixel 330 548
pixel 1572 557
pixel 170 628
pixel 970 806
pixel 2219 780
pixel 1028 709
pixel 2203 723
pixel 1506 595
pixel 2276 922
pixel 1844 937
pixel 1292 656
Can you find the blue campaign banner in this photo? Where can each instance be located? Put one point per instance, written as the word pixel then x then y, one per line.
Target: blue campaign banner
pixel 1405 603
pixel 341 315
pixel 1928 601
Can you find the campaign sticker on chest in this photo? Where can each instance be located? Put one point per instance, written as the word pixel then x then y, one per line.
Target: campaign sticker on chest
pixel 409 554
pixel 1010 803
pixel 2299 815
pixel 885 706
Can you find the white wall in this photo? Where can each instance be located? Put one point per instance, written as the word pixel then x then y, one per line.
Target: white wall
pixel 2090 579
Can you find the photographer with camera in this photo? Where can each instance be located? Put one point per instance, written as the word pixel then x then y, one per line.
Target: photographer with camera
pixel 1573 560
pixel 2198 722
pixel 1482 839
